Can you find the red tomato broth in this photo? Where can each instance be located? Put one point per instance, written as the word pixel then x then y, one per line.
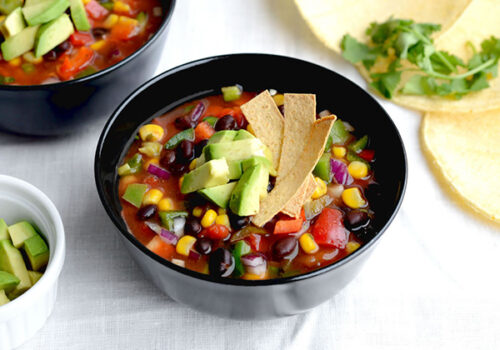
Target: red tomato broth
pixel 114 50
pixel 299 263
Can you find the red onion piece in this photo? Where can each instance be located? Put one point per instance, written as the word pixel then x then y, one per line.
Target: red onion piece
pixel 157 171
pixel 255 263
pixel 197 112
pixel 340 173
pixel 194 255
pixel 165 235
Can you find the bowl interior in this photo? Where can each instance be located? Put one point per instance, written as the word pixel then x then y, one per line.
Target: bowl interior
pixel 255 72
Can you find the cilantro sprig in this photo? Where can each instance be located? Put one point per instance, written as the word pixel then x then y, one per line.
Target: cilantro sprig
pixel 437 72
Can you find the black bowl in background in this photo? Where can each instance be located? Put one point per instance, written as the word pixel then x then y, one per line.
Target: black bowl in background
pixel 61 108
pixel 235 298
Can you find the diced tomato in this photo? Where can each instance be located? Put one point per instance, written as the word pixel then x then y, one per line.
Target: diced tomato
pixel 203 131
pixel 289 225
pixel 151 180
pixel 226 111
pixel 96 11
pixel 213 110
pixel 367 154
pixel 329 229
pixel 72 65
pixel 81 38
pixel 216 232
pixel 161 248
pixel 255 241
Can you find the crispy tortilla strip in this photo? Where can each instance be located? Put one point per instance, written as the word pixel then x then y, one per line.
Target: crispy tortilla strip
pixel 267 122
pixel 295 204
pixel 298 175
pixel 465 149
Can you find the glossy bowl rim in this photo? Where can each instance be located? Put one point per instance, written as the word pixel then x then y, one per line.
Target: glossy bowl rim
pixel 117 220
pixel 103 72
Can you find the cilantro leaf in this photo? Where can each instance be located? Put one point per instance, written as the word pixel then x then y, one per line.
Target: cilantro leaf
pixel 386 83
pixel 355 52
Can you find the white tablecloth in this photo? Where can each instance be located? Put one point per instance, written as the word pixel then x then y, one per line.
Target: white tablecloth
pixel 432 283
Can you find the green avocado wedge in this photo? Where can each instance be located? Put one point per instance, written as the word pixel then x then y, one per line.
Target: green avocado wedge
pixel 52 34
pixel 4 233
pixel 12 261
pixel 7 6
pixel 79 15
pixel 219 195
pixel 19 44
pixel 13 24
pixel 43 11
pixel 8 281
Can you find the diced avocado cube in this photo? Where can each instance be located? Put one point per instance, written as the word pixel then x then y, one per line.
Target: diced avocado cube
pixel 243 135
pixel 231 93
pixel 7 6
pixel 34 276
pixel 20 43
pixel 237 150
pixel 20 232
pixel 246 195
pixel 37 252
pixel 134 194
pixel 212 173
pixel 8 281
pixel 219 195
pixel 79 15
pixel 3 298
pixel 235 171
pixel 52 34
pixel 222 136
pixel 43 11
pixel 13 24
pixel 4 233
pixel 251 162
pixel 323 168
pixel 11 260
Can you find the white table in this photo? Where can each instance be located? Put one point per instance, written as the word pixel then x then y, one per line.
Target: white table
pixel 424 287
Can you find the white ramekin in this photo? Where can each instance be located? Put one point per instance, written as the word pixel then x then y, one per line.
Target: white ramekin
pixel 23 317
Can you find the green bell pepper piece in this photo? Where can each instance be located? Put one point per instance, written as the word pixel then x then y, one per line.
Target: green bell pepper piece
pixel 187 134
pixel 323 168
pixel 167 217
pixel 133 166
pixel 359 145
pixel 338 134
pixel 211 120
pixel 135 193
pixel 240 248
pixel 231 93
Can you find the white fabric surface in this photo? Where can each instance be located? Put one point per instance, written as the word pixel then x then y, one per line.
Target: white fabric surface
pixel 432 282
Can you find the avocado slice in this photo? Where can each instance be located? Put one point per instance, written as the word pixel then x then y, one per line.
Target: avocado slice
pixel 251 162
pixel 34 276
pixel 135 193
pixel 12 261
pixel 8 281
pixel 246 195
pixel 37 252
pixel 222 136
pixel 7 6
pixel 43 11
pixel 20 43
pixel 237 150
pixel 4 233
pixel 79 15
pixel 212 173
pixel 323 168
pixel 13 24
pixel 3 298
pixel 243 135
pixel 52 34
pixel 235 170
pixel 20 232
pixel 219 195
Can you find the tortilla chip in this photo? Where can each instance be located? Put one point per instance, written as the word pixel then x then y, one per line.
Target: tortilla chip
pixel 331 19
pixel 290 185
pixel 465 148
pixel 267 122
pixel 295 204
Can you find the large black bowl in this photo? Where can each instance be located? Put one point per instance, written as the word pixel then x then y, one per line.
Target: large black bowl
pixel 236 298
pixel 61 108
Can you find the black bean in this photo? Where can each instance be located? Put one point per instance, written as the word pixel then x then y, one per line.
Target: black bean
pixel 184 122
pixel 63 47
pixel 203 246
pixel 178 169
pixel 199 147
pixel 168 158
pixel 99 33
pixel 238 222
pixel 193 200
pixel 193 226
pixel 285 247
pixel 365 233
pixel 147 212
pixel 227 122
pixel 356 219
pixel 185 151
pixel 50 56
pixel 221 263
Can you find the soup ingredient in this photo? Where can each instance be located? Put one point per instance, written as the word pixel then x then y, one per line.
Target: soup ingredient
pixel 43 11
pixel 21 232
pixel 13 23
pixel 231 93
pixel 4 234
pixel 251 187
pixel 37 252
pixel 20 43
pixel 221 263
pixel 79 15
pixel 7 6
pixel 219 195
pixel 135 193
pixel 329 229
pixel 3 298
pixel 8 281
pixel 187 134
pixel 12 262
pixel 213 173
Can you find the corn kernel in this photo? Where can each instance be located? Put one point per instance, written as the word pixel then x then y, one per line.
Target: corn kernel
pixel 98 45
pixel 197 211
pixel 165 204
pixel 352 247
pixel 250 129
pixel 357 169
pixel 185 244
pixel 121 7
pixel 221 211
pixel 110 21
pixel 209 218
pixel 192 165
pixel 253 277
pixel 151 132
pixel 15 62
pixel 31 58
pixel 320 190
pixel 352 198
pixel 223 220
pixel 279 99
pixel 308 244
pixel 128 20
pixel 339 151
pixel 153 196
pixel 155 161
pixel 181 180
